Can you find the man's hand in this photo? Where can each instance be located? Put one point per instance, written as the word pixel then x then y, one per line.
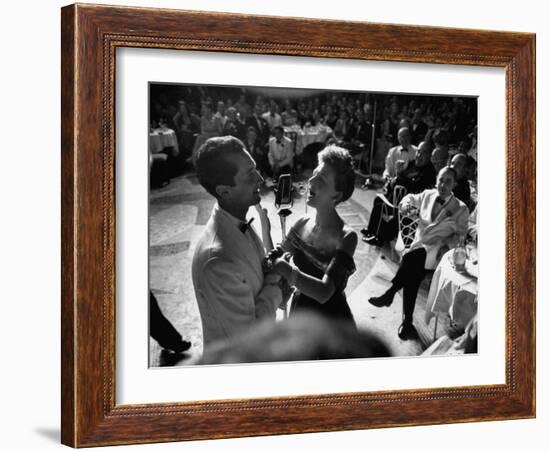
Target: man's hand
pixel 408 209
pixel 264 219
pixel 275 253
pixel 400 166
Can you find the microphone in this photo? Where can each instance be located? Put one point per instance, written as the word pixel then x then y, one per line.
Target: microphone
pixel 283 199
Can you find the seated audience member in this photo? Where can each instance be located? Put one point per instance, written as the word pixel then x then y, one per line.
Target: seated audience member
pixel 405 122
pixel 418 128
pixel 257 150
pixel 440 155
pixel 342 126
pixel 184 129
pixel 289 116
pixel 415 179
pixel 242 107
pixel 330 117
pixel 462 190
pixel 259 124
pixel 272 118
pixel 233 125
pixel 471 170
pixel 360 134
pixel 421 175
pixel 220 112
pixel 280 154
pixel 210 127
pixel 404 151
pixel 302 337
pixel 473 149
pixel 443 220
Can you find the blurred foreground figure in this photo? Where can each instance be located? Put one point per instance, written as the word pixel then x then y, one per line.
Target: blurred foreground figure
pixel 306 336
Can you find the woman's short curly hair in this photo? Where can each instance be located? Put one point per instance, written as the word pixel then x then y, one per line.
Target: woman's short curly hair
pixel 339 159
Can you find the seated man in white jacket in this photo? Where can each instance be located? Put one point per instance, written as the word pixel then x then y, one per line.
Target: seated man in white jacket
pixel 443 219
pixel 228 274
pixel 280 153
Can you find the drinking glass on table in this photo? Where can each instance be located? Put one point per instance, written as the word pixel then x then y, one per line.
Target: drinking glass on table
pixel 471 250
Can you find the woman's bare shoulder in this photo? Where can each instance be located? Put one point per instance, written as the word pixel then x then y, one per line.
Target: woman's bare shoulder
pixel 349 240
pixel 300 223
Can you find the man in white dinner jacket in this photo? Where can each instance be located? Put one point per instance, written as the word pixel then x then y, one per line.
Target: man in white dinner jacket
pixel 232 291
pixel 443 219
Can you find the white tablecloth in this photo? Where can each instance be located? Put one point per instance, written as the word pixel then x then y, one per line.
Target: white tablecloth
pixel 162 138
pixel 308 135
pixel 452 293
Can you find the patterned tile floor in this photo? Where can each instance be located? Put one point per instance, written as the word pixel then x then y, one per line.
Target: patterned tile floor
pixel 178 213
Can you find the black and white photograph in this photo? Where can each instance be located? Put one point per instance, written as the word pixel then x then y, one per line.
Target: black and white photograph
pixel 293 224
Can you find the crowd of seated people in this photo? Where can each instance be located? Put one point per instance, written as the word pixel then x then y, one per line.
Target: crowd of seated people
pixel 399 124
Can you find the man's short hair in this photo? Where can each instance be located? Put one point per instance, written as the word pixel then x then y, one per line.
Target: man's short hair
pixel 459 159
pixel 425 146
pixel 215 164
pixel 449 169
pixel 341 162
pixel 278 129
pixel 403 130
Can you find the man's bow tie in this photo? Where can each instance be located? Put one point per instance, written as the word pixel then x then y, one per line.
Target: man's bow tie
pixel 439 200
pixel 245 225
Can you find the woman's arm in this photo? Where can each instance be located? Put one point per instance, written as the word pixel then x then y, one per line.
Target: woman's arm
pixel 318 289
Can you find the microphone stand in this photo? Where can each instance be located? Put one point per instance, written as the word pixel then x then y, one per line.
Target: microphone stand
pixel 283 211
pixel 371 179
pixel 372 138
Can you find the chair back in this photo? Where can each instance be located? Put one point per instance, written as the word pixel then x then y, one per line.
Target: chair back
pixel 389 209
pixel 399 193
pixel 408 222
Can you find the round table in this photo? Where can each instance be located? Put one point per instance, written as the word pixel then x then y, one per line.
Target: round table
pixel 453 293
pixel 308 135
pixel 162 138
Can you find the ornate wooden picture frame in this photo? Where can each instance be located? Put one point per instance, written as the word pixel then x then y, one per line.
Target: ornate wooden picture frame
pixel 90 37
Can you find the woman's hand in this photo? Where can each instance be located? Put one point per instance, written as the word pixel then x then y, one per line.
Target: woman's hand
pixel 278 262
pixel 281 266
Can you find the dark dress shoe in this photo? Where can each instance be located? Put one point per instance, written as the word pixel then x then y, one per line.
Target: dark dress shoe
pixel 382 300
pixel 178 347
pixel 366 232
pixel 406 331
pixel 372 240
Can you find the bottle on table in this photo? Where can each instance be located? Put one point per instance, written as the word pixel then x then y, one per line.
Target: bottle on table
pixel 459 255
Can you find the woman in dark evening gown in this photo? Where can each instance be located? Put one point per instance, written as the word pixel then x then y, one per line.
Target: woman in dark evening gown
pixel 337 267
pixel 318 251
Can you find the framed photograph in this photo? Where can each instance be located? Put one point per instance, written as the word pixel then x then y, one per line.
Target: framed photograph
pixel 282 225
